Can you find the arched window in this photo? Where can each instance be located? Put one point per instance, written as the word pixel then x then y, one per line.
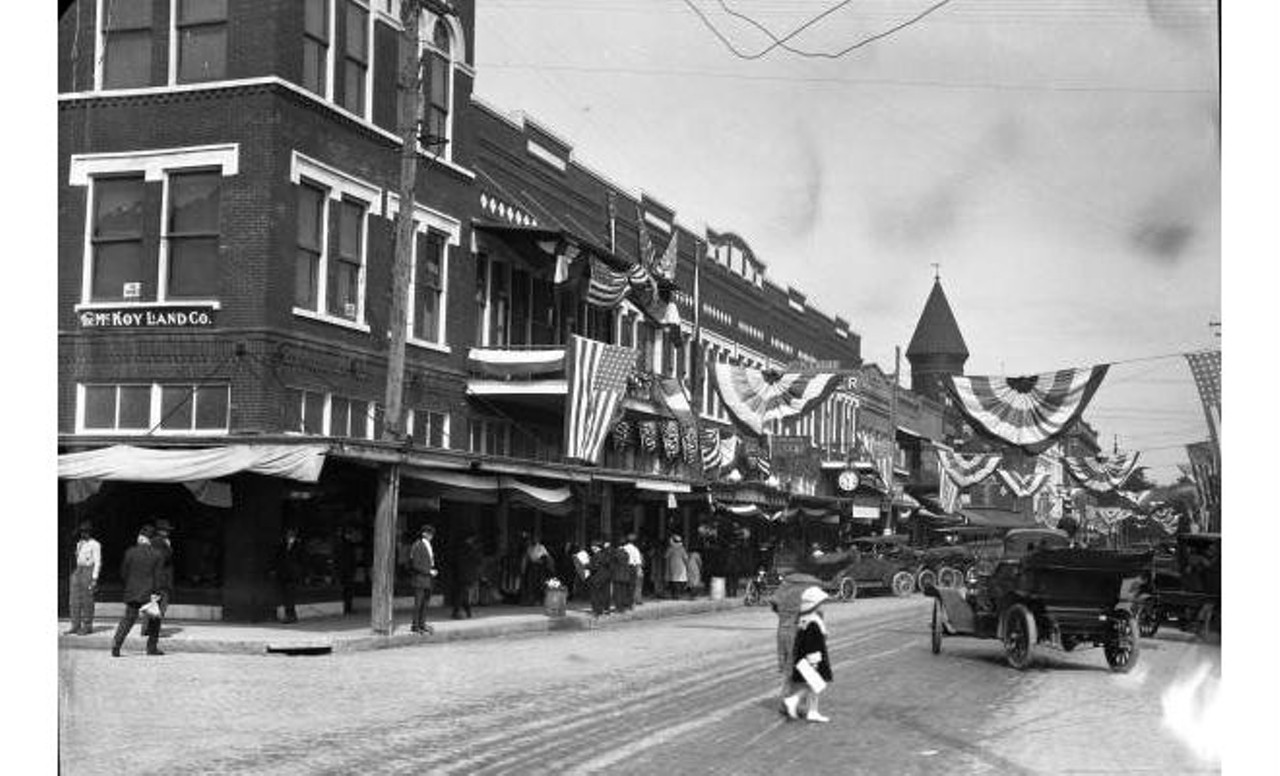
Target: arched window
pixel 437 82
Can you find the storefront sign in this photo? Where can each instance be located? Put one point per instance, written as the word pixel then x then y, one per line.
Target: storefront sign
pixel 136 317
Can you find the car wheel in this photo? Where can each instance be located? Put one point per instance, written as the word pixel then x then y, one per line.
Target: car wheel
pixel 848 589
pixel 936 630
pixel 753 594
pixel 1019 636
pixel 1122 648
pixel 903 584
pixel 1148 619
pixel 926 578
pixel 949 577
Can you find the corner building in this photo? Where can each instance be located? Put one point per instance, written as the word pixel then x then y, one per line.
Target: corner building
pixel 228 175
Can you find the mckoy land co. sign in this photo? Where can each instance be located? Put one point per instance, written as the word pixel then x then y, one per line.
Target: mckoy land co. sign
pixel 133 317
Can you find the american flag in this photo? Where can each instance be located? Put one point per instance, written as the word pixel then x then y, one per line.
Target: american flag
pixel 710 448
pixel 607 286
pixel 1206 368
pixel 647 253
pixel 665 265
pixel 597 380
pixel 1204 470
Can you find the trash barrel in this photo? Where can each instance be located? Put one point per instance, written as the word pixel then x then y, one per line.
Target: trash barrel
pixel 555 602
pixel 717 588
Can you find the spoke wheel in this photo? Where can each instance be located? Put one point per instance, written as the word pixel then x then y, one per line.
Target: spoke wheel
pixel 1019 636
pixel 926 578
pixel 753 594
pixel 949 577
pixel 848 589
pixel 1122 649
pixel 903 584
pixel 1148 619
pixel 936 630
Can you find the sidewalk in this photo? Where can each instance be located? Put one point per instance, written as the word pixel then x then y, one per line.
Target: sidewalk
pixel 351 633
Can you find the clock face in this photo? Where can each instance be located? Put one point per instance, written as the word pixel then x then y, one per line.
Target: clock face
pixel 848 480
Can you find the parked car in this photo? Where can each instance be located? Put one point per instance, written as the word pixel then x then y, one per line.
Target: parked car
pixel 884 561
pixel 1185 586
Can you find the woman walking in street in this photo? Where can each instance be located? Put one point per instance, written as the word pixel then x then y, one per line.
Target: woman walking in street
pixel 812 669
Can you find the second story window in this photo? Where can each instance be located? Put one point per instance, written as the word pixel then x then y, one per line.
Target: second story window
pixel 310 250
pixel 125 38
pixel 353 67
pixel 346 269
pixel 191 236
pixel 437 79
pixel 428 286
pixel 117 266
pixel 315 46
pixel 200 30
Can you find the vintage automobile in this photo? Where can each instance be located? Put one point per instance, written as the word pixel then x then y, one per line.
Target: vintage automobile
pixel 828 568
pixel 884 561
pixel 1042 591
pixel 1185 586
pixel 944 566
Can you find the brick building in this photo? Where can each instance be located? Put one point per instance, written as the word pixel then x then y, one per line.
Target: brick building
pixel 228 175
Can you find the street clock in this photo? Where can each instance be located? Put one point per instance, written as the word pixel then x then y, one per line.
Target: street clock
pixel 848 480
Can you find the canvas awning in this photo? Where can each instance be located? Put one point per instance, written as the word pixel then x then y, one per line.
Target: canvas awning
pixel 466 487
pixel 146 464
pixel 507 362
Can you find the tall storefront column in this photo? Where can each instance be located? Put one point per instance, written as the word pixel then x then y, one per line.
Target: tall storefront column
pixel 606 511
pixel 250 533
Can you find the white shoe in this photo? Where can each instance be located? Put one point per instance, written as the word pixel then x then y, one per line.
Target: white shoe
pixel 814 716
pixel 790 704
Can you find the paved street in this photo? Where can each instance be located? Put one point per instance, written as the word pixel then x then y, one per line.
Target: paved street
pixel 691 694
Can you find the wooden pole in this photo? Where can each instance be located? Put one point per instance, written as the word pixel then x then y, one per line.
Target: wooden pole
pixel 889 523
pixel 384 526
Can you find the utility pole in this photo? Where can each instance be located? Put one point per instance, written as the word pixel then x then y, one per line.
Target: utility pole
pixel 889 523
pixel 385 519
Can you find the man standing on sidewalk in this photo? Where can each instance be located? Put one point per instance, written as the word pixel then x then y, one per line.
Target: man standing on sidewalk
pixel 637 568
pixel 84 580
pixel 164 577
pixel 289 571
pixel 139 568
pixel 422 562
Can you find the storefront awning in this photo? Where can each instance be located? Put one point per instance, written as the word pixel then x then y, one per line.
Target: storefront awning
pixel 508 362
pixel 146 464
pixel 555 500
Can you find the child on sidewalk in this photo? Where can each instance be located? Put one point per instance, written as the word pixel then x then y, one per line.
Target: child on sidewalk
pixel 811 649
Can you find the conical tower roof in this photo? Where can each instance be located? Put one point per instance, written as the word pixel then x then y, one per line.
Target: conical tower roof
pixel 937 332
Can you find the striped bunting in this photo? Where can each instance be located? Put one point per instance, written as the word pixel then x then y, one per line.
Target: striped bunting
pixel 671 439
pixel 1023 485
pixel 754 397
pixel 1102 475
pixel 607 286
pixel 1029 412
pixel 968 469
pixel 597 378
pixel 648 435
pixel 710 449
pixel 689 444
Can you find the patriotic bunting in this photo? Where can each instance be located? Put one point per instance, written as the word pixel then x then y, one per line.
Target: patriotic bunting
pixel 1023 485
pixel 689 443
pixel 968 469
pixel 607 286
pixel 754 397
pixel 729 450
pixel 1138 498
pixel 664 266
pixel 648 436
pixel 622 435
pixel 710 449
pixel 671 439
pixel 948 490
pixel 1102 475
pixel 597 378
pixel 1109 516
pixel 1029 412
pixel 671 393
pixel 1204 472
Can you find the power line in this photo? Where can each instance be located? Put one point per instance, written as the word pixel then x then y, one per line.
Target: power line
pixel 781 42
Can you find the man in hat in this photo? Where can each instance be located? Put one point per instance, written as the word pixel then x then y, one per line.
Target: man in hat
pixel 636 561
pixel 139 570
pixel 164 575
pixel 289 569
pixel 422 563
pixel 84 580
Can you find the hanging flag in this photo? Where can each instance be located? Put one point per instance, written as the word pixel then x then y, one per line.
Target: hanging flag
pixel 1206 368
pixel 670 393
pixel 1029 412
pixel 665 265
pixel 613 221
pixel 763 465
pixel 754 397
pixel 689 444
pixel 948 490
pixel 1102 475
pixel 565 258
pixel 647 253
pixel 1204 472
pixel 607 287
pixel 597 378
pixel 671 439
pixel 729 450
pixel 622 435
pixel 649 436
pixel 968 468
pixel 1023 485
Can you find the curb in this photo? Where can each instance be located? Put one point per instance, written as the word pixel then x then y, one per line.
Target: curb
pixel 327 644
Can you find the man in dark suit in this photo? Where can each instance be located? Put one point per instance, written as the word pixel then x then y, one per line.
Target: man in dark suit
pixel 164 576
pixel 464 572
pixel 139 570
pixel 289 569
pixel 422 564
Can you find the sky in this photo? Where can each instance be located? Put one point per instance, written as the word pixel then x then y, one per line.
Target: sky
pixel 1059 160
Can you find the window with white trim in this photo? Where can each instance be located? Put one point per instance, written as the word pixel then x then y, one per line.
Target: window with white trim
pixel 346 269
pixel 352 69
pixel 200 36
pixel 437 85
pixel 191 235
pixel 159 408
pixel 337 45
pixel 326 414
pixel 315 46
pixel 124 41
pixel 489 436
pixel 428 287
pixel 429 428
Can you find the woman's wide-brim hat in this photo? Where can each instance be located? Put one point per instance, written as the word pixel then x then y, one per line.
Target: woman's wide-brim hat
pixel 811 599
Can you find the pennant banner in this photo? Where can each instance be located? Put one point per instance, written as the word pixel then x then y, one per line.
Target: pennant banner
pixel 968 469
pixel 1023 485
pixel 1031 411
pixel 597 378
pixel 1102 475
pixel 754 397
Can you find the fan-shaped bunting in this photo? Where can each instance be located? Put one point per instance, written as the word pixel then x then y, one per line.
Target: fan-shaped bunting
pixel 1102 475
pixel 671 439
pixel 689 444
pixel 1031 411
pixel 1023 485
pixel 710 448
pixel 648 435
pixel 968 469
pixel 754 397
